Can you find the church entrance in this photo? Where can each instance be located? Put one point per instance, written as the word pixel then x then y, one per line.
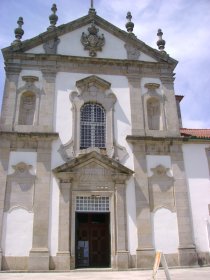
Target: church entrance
pixel 92 239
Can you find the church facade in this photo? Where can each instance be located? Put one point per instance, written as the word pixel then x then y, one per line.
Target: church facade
pixel 95 168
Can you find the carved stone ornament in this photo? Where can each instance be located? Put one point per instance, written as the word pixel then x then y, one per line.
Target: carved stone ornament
pixel 92 42
pixel 160 170
pixel 20 187
pixel 50 47
pixel 132 52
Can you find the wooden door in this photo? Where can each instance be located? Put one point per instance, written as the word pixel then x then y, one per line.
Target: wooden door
pixel 92 240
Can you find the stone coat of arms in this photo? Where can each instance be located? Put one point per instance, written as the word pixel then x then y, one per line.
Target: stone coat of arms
pixel 92 42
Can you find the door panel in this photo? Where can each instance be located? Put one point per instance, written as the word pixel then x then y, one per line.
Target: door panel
pixel 93 230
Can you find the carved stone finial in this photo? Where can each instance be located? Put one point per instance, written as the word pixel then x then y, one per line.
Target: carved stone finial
pixel 129 25
pixel 160 42
pixel 92 42
pixel 53 18
pixel 18 31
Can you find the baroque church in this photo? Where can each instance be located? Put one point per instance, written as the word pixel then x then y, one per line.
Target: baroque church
pixel 95 167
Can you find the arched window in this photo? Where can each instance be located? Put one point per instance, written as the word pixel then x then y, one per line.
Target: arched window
pixel 153 113
pixel 27 108
pixel 92 126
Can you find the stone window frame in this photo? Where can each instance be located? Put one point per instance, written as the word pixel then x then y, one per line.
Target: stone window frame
pixel 153 94
pixel 29 87
pixel 93 89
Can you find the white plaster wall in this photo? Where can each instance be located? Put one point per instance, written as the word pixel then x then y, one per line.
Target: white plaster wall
pixel 166 237
pixel 17 232
pixel 70 45
pixel 54 200
pixel 29 158
pixel 36 50
pixel 197 172
pixel 54 217
pixel 131 217
pixel 155 160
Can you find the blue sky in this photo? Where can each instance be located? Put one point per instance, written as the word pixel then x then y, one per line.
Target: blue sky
pixel 185 24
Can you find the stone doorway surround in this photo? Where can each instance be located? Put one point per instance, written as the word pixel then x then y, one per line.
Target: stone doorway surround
pixel 87 175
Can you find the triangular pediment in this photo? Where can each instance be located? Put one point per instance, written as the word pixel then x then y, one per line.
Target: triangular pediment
pixel 93 160
pixel 115 40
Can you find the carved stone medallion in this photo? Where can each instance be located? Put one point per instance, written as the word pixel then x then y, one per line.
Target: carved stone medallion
pixel 92 42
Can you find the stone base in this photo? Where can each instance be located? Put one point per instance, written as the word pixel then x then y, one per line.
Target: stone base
pixel 14 263
pixel 38 260
pixel 145 258
pixel 122 259
pixel 188 256
pixel 203 258
pixel 63 261
pixel 172 259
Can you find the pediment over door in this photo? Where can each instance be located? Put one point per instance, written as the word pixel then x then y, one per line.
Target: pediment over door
pixel 93 169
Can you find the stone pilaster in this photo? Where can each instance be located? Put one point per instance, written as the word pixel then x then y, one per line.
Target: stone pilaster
pixel 187 253
pixel 145 250
pixel 39 254
pixel 9 99
pixel 137 110
pixel 171 114
pixel 4 160
pixel 122 256
pixel 63 255
pixel 47 100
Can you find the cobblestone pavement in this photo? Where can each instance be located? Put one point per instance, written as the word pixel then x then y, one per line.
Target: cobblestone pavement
pixel 176 274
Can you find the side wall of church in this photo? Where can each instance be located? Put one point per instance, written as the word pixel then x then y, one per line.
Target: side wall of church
pixel 197 171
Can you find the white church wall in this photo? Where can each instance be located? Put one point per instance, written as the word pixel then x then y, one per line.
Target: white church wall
pixel 17 232
pixel 165 228
pixel 70 45
pixel 131 217
pixel 36 50
pixel 199 192
pixel 54 217
pixel 155 160
pixel 29 158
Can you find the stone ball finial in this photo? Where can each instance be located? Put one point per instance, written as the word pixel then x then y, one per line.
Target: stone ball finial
pixel 18 31
pixel 160 42
pixel 129 25
pixel 53 17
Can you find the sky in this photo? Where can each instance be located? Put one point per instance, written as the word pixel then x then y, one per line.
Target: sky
pixel 185 24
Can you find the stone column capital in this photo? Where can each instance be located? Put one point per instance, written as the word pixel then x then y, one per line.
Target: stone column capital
pixel 49 74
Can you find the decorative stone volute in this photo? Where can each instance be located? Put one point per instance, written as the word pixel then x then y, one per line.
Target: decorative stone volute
pixel 18 31
pixel 160 170
pixel 53 18
pixel 92 42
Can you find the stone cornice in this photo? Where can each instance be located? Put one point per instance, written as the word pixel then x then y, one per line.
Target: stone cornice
pixel 33 135
pixel 66 63
pixel 136 138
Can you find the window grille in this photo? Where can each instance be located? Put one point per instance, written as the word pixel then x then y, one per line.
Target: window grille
pixel 92 203
pixel 92 126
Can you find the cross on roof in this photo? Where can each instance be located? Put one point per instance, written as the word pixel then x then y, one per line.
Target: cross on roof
pixel 91 4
